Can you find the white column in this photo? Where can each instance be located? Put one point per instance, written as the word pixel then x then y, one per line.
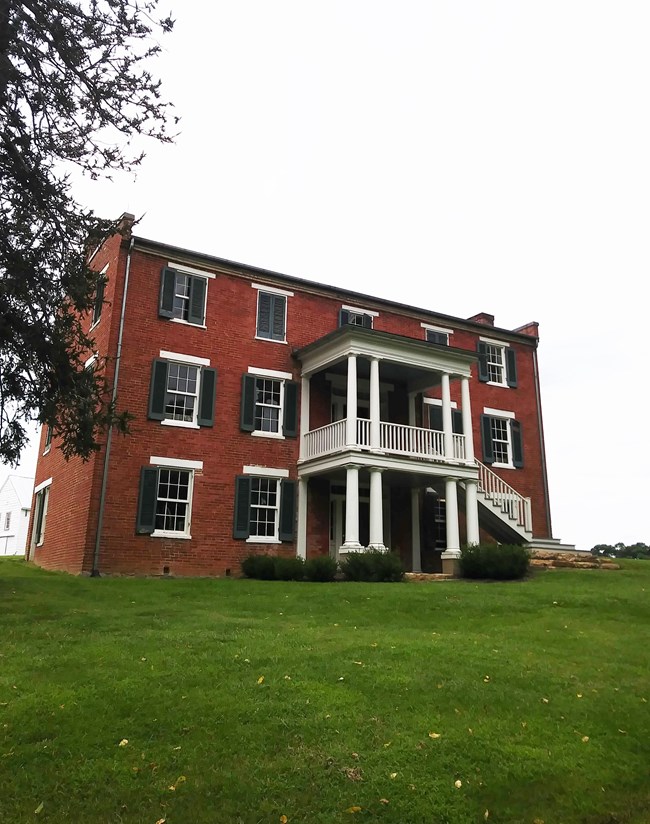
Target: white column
pixel 376 511
pixel 412 408
pixel 451 512
pixel 416 562
pixel 471 511
pixel 467 419
pixel 304 412
pixel 374 405
pixel 351 430
pixel 301 544
pixel 351 510
pixel 446 417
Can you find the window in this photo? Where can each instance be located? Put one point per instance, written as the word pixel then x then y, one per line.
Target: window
pixel 271 316
pixel 183 294
pixel 99 297
pixel 269 403
pixel 502 441
pixel 41 498
pixel 435 417
pixel 497 363
pixel 351 316
pixel 48 440
pixel 183 391
pixel 264 507
pixel 165 500
pixel 436 334
pixel 7 520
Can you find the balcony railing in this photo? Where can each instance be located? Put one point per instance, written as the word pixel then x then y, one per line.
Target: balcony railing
pixel 394 438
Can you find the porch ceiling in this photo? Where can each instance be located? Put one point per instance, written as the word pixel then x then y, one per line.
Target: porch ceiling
pixel 390 477
pixel 401 357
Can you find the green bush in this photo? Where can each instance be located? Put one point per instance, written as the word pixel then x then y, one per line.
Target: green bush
pixel 321 568
pixel 503 562
pixel 289 569
pixel 259 566
pixel 372 565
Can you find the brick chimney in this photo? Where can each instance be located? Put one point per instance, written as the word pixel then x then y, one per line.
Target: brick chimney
pixel 484 318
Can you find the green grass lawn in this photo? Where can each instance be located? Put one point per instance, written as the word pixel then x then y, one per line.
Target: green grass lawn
pixel 246 701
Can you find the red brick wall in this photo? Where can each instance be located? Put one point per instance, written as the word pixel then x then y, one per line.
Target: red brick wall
pixel 230 345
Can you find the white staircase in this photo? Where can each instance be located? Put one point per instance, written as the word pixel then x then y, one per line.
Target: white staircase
pixel 507 512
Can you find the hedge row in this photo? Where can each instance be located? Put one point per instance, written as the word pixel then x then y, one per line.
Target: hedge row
pixel 356 566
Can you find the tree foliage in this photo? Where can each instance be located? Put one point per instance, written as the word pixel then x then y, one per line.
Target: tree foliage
pixel 75 88
pixel 620 550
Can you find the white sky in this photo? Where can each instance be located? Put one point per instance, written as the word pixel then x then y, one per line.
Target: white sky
pixel 459 155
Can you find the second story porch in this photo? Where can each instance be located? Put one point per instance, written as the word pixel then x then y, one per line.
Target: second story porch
pixel 361 393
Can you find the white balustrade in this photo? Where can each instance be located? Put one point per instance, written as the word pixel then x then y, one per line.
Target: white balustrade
pixel 511 503
pixel 363 432
pixel 324 440
pixel 459 446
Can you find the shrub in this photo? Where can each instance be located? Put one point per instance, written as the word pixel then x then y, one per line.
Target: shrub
pixel 503 562
pixel 321 568
pixel 289 569
pixel 259 566
pixel 372 565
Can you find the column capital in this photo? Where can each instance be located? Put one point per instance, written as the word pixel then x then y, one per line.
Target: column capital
pixel 376 469
pixel 352 466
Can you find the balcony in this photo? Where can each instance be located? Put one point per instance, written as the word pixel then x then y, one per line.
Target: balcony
pixel 413 442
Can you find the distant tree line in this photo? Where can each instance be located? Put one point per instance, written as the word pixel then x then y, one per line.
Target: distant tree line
pixel 619 550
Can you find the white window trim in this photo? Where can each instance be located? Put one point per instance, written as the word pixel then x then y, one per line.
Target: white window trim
pixel 180 424
pixel 269 373
pixel 42 486
pixel 170 533
pixel 265 472
pixel 273 290
pixel 103 272
pixel 187 323
pixel 438 402
pixel 494 342
pixel 504 368
pixel 507 416
pixel 188 270
pixel 429 328
pixel 498 413
pixel 91 360
pixel 175 463
pixel 358 311
pixel 177 357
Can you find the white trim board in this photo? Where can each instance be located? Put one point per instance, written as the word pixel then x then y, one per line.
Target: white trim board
pixel 175 463
pixel 266 472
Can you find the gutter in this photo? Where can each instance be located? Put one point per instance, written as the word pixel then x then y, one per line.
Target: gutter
pixel 542 445
pixel 94 573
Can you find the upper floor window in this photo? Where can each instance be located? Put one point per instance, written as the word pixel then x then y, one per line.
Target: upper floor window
pixel 41 499
pixel 497 363
pixel 7 520
pixel 183 294
pixel 269 403
pixel 352 316
pixel 436 334
pixel 434 407
pixel 99 296
pixel 48 440
pixel 271 323
pixel 502 441
pixel 182 391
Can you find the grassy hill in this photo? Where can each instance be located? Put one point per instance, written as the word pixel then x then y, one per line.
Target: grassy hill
pixel 192 701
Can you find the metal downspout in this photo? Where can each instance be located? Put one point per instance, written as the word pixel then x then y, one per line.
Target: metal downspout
pixel 102 495
pixel 542 445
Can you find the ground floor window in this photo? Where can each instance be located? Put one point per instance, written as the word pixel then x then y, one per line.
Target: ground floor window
pixel 264 508
pixel 165 501
pixel 40 514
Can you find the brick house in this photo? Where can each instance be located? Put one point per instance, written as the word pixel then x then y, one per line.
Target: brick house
pixel 273 414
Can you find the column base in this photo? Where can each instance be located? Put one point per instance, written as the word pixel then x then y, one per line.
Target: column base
pixel 350 547
pixel 450 565
pixel 378 547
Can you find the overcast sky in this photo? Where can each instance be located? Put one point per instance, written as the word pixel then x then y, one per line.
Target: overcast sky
pixel 459 155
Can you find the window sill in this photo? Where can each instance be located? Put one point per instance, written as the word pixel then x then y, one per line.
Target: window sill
pixel 257 433
pixel 181 424
pixel 94 324
pixel 46 451
pixel 503 465
pixel 271 340
pixel 161 533
pixel 187 323
pixel 494 383
pixel 263 540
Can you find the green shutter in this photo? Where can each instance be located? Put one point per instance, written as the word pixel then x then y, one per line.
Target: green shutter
pixel 517 444
pixel 264 315
pixel 241 526
pixel 486 431
pixel 247 417
pixel 197 301
pixel 287 510
pixel 483 374
pixel 278 315
pixel 290 428
pixel 344 317
pixel 99 298
pixel 207 396
pixel 158 390
pixel 146 521
pixel 367 321
pixel 511 366
pixel 457 421
pixel 167 289
pixel 435 417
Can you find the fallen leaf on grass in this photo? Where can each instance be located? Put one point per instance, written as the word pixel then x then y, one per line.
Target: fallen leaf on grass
pixel 260 680
pixel 354 754
pixel 434 735
pixel 39 809
pixel 486 815
pixel 354 809
pixel 283 819
pixel 393 775
pixel 458 783
pixel 585 738
pixel 486 679
pixel 384 801
pixel 544 700
pixel 388 743
pixel 578 695
pixel 123 743
pixel 161 821
pixel 623 732
pixel 353 773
